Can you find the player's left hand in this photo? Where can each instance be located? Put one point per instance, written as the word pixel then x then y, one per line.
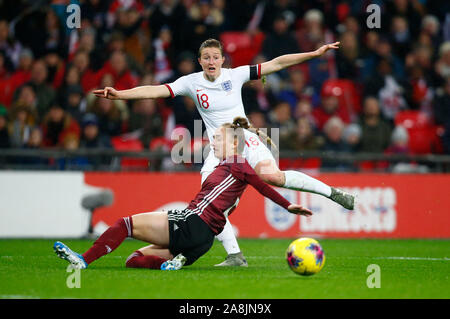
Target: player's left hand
pixel 299 210
pixel 324 48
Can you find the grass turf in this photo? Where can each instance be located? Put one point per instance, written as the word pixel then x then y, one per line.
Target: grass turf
pixel 409 269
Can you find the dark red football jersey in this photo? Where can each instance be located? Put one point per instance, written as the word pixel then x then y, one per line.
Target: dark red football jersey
pixel 222 189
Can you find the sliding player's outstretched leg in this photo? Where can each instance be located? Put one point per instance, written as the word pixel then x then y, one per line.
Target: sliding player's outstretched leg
pixel 106 243
pixel 270 173
pixel 229 242
pixel 64 252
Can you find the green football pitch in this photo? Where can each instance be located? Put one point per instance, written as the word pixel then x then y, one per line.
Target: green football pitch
pixel 407 269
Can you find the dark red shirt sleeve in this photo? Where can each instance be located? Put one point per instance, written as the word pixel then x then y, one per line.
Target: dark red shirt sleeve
pixel 264 189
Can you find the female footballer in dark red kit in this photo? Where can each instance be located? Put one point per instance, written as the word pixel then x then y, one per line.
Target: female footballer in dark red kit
pixel 189 233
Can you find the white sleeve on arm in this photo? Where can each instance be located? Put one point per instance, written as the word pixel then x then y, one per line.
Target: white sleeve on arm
pixel 179 86
pixel 247 72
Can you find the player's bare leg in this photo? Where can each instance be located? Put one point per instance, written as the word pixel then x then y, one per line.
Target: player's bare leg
pixel 151 257
pixel 152 228
pixel 269 172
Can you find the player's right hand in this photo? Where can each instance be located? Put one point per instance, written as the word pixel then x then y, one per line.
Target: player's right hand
pixel 107 93
pixel 299 210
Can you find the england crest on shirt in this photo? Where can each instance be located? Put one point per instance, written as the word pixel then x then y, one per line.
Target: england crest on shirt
pixel 226 86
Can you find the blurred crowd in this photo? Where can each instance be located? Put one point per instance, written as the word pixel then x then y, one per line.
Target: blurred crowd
pixel 356 99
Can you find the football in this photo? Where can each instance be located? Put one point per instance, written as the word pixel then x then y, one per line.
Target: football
pixel 305 256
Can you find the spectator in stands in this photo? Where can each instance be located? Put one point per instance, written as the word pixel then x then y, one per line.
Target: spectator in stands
pixel 163 55
pixel 186 64
pixel 45 94
pixel 95 11
pixel 108 112
pixel 421 56
pixel 198 27
pixel 391 91
pixel 303 138
pixel 280 41
pixel 4 134
pixel 71 142
pixel 145 118
pixel 281 118
pixel 312 34
pixel 23 116
pixel 33 143
pixel 57 124
pixel 329 107
pixel 35 140
pixel 297 89
pixel 442 66
pixel 90 135
pixel 89 79
pixel 399 141
pixel 430 26
pixel 26 97
pixel 376 133
pixel 421 90
pixel 400 36
pixel 21 75
pixel 333 130
pixel 11 46
pixel 304 109
pixel 348 57
pixel 74 102
pixel 169 13
pixel 185 113
pixel 212 10
pixel 54 34
pixel 257 98
pixel 135 40
pixel 352 137
pixel 56 68
pixel 117 66
pixel 382 51
pixel 410 10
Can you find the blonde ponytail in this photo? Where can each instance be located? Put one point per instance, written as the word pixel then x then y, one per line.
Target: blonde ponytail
pixel 242 122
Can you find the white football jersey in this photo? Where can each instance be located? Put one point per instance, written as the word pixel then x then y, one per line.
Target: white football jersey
pixel 220 101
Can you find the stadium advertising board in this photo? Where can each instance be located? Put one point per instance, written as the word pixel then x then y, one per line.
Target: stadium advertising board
pixel 389 206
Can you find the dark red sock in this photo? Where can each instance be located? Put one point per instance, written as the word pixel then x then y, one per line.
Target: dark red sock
pixel 110 239
pixel 138 260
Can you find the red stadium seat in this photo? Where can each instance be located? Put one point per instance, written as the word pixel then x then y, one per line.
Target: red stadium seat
pixel 348 95
pixel 423 134
pixel 412 119
pixel 241 47
pixel 130 144
pixel 300 163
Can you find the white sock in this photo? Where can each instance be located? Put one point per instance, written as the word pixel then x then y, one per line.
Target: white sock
pixel 302 182
pixel 228 239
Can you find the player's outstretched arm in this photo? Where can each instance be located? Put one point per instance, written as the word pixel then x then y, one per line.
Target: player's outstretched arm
pixel 264 189
pixel 139 92
pixel 287 60
pixel 299 210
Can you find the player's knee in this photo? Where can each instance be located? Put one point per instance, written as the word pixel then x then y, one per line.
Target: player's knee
pixel 276 179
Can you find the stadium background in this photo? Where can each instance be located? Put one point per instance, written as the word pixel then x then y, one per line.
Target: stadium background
pixel 384 93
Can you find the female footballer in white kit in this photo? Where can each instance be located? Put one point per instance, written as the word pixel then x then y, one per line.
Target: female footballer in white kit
pixel 216 92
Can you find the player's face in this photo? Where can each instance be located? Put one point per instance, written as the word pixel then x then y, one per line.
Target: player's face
pixel 223 143
pixel 211 61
